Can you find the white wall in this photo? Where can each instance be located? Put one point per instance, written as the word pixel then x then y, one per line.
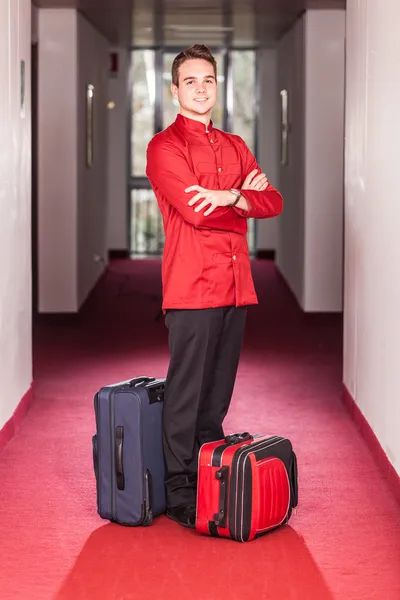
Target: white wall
pixel 71 198
pixel 311 67
pixel 118 167
pixel 268 229
pixel 34 24
pixel 57 160
pixel 15 207
pixel 372 216
pixel 324 152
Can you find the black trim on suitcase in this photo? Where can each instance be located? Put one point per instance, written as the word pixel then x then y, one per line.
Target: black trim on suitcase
pixel 247 500
pixel 213 529
pixel 236 484
pixel 217 455
pixel 240 486
pixel 230 440
pixel 294 486
pixel 223 476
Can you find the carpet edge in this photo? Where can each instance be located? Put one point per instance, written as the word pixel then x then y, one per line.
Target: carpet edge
pixel 9 429
pixel 373 444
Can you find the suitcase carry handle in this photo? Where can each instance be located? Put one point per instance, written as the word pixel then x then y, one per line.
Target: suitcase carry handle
pixel 140 381
pixel 222 475
pixel 237 438
pixel 119 449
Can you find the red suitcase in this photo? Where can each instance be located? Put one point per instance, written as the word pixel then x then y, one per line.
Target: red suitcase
pixel 247 485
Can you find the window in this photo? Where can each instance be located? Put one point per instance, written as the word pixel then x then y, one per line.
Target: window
pixel 147 234
pixel 143 108
pixel 244 95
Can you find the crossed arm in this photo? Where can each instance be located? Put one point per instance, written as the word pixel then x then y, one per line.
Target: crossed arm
pixel 263 203
pixel 214 198
pixel 169 172
pixel 259 198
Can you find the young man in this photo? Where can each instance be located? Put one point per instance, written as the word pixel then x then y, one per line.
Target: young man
pixel 207 184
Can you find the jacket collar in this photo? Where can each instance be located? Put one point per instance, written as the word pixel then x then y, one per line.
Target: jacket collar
pixel 192 126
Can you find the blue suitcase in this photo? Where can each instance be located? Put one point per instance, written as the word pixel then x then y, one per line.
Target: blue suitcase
pixel 127 451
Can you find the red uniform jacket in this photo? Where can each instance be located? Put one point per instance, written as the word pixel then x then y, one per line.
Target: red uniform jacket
pixel 206 258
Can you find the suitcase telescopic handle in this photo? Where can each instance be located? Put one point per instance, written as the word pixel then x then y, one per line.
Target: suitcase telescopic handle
pixel 223 476
pixel 119 453
pixel 155 390
pixel 237 438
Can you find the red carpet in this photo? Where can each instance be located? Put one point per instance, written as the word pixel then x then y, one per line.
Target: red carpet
pixel 344 542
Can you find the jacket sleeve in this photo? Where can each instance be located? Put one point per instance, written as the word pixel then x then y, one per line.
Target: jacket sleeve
pixel 263 205
pixel 170 174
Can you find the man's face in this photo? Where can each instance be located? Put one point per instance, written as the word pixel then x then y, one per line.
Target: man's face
pixel 197 90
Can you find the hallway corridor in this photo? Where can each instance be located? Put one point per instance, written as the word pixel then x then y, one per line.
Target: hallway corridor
pixel 344 541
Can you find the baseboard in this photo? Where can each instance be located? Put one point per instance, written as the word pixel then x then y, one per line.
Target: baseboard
pixel 116 254
pixel 383 462
pixel 265 254
pixel 7 432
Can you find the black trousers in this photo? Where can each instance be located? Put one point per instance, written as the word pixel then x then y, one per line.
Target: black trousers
pixel 205 346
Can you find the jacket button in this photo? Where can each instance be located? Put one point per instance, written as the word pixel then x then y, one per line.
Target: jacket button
pixel 234 257
pixel 212 141
pixel 219 169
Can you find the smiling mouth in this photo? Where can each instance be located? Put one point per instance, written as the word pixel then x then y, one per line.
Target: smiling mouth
pixel 201 99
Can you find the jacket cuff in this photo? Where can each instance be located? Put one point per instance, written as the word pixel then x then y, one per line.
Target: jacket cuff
pixel 243 213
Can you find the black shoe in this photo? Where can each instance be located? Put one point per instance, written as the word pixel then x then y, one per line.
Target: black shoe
pixel 184 515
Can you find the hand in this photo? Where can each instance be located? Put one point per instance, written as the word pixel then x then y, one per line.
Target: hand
pixel 213 198
pixel 255 182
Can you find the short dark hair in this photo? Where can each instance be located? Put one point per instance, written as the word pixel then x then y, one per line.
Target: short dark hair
pixel 195 51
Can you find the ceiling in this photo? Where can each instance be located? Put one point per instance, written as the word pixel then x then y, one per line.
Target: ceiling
pixel 182 22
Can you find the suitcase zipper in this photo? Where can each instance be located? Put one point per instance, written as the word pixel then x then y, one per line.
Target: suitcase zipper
pixel 96 407
pixel 113 484
pixel 244 457
pixel 238 485
pixel 144 512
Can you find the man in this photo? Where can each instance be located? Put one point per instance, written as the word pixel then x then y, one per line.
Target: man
pixel 207 184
